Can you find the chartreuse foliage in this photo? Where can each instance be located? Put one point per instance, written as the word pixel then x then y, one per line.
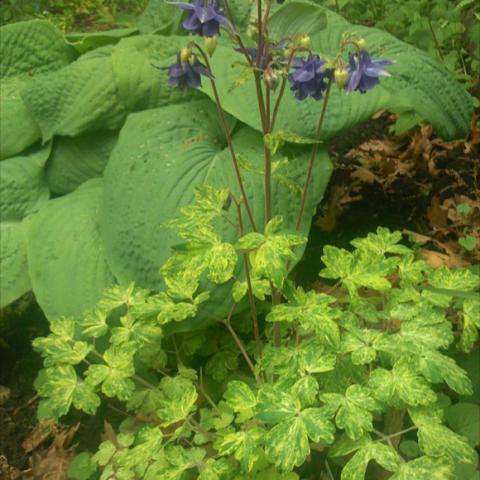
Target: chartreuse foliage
pixel 100 106
pixel 354 371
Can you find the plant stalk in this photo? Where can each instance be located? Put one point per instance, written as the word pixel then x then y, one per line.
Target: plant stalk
pixel 308 178
pixel 228 138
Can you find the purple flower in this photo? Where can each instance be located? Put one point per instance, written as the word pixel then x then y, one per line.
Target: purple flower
pixel 187 74
pixel 309 77
pixel 204 17
pixel 363 72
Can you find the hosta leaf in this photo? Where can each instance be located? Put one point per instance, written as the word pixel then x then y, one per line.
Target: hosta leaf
pixel 384 455
pixel 78 98
pixel 65 255
pixel 18 128
pixel 22 184
pixel 401 383
pixel 419 83
pixel 162 155
pixel 33 47
pixel 75 160
pixel 22 190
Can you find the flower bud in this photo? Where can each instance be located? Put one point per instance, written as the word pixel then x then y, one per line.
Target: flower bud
pixel 252 31
pixel 341 76
pixel 303 41
pixel 361 43
pixel 271 78
pixel 210 44
pixel 185 54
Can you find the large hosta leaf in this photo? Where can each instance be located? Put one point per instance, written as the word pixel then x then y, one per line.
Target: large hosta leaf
pixel 161 156
pixel 18 128
pixel 28 49
pixel 103 86
pixel 78 98
pixel 65 254
pixel 33 47
pixel 419 84
pixel 75 160
pixel 22 189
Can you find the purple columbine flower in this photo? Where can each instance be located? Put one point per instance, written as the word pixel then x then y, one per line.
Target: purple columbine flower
pixel 204 17
pixel 309 77
pixel 363 72
pixel 187 74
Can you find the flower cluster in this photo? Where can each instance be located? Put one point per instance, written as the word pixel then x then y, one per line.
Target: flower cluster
pixel 308 77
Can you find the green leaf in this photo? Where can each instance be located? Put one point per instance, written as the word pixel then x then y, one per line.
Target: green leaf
pixel 312 310
pixel 464 419
pixel 22 190
pixel 86 41
pixel 277 139
pixel 160 17
pixel 295 18
pixel 286 444
pixel 18 129
pixel 115 376
pixel 401 383
pixel 271 258
pixel 65 254
pixel 352 411
pixel 62 388
pixel 436 367
pixel 471 324
pixel 381 242
pixel 358 269
pixel 78 98
pixel 31 48
pixel 419 83
pixel 181 396
pixel 306 389
pixel 81 467
pixel 245 445
pixel 239 396
pixel 75 160
pixel 274 405
pixel 438 441
pixel 384 455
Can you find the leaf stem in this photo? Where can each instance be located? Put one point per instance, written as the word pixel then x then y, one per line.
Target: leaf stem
pixel 228 139
pixel 314 154
pixel 393 435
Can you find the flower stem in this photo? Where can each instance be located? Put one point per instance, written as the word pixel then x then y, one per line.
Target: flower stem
pixel 228 138
pixel 313 155
pixel 251 299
